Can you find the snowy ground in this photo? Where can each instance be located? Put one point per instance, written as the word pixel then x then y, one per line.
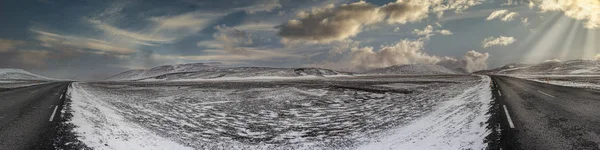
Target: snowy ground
pixel 383 112
pixel 6 84
pixel 582 81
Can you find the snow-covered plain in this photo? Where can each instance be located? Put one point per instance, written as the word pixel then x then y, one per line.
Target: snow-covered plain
pixel 428 112
pixel 580 81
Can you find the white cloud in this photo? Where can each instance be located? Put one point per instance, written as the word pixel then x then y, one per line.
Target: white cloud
pixel 472 61
pixel 66 42
pixel 324 25
pixel 262 5
pixel 500 41
pixel 588 10
pixel 430 30
pixel 405 11
pixel 525 21
pixel 445 32
pixel 335 23
pixel 160 30
pixel 231 39
pixel 510 16
pixel 503 15
pixel 403 52
pixel 497 14
pixel 143 38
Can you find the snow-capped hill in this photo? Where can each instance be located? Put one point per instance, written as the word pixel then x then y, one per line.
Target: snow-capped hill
pixel 216 70
pixel 248 72
pixel 19 74
pixel 165 69
pixel 571 67
pixel 424 69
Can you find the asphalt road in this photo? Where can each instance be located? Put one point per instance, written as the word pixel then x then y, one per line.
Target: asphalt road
pixel 29 116
pixel 544 116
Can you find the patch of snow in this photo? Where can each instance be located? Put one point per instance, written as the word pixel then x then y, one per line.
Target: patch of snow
pixel 20 74
pixel 580 71
pixel 455 124
pixel 101 127
pixel 592 83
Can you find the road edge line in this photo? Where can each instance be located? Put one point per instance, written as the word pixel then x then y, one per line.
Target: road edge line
pixel 510 123
pixel 53 113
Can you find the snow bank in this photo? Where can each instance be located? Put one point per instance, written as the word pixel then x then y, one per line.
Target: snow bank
pixel 101 127
pixel 456 124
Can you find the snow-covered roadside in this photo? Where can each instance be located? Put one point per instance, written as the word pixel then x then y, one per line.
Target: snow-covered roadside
pixel 456 124
pixel 100 127
pixel 579 84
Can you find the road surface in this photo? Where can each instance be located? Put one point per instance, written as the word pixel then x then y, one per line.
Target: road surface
pixel 542 116
pixel 29 116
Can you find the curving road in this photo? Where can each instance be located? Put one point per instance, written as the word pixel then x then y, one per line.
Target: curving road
pixel 30 116
pixel 545 116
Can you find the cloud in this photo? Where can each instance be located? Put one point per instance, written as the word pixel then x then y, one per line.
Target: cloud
pixel 440 6
pixel 158 30
pixel 66 42
pixel 503 15
pixel 262 5
pixel 494 41
pixel 253 27
pixel 335 23
pixel 324 25
pixel 365 58
pixel 7 45
pixel 472 61
pixel 597 58
pixel 497 14
pixel 142 38
pixel 525 21
pixel 430 30
pixel 403 12
pixel 403 52
pixel 190 22
pixel 588 10
pixel 231 39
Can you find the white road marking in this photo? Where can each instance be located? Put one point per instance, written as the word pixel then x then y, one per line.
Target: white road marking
pixel 61 96
pixel 499 93
pixel 546 94
pixel 510 123
pixel 53 113
pixel 34 91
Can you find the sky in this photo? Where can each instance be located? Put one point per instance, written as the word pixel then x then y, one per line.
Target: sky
pixel 94 39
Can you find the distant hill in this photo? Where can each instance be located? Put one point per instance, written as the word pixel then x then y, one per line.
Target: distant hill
pixel 424 69
pixel 571 67
pixel 19 74
pixel 213 71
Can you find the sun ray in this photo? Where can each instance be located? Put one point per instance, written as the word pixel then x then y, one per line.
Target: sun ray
pixel 538 31
pixel 568 45
pixel 547 42
pixel 590 44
